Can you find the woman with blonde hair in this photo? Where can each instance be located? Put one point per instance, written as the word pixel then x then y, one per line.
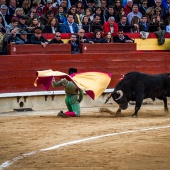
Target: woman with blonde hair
pixel 26 5
pixel 18 12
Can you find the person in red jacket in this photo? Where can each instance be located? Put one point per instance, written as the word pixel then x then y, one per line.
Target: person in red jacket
pixel 49 6
pixel 110 26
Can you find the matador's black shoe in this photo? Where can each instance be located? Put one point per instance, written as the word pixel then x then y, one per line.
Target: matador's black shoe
pixel 61 114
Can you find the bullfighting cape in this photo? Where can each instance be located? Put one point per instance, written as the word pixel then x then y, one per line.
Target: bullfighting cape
pixel 93 83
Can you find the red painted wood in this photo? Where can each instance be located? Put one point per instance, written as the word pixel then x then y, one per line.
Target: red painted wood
pixel 14 49
pixel 17 72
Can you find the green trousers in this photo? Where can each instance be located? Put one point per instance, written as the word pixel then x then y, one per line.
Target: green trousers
pixel 72 103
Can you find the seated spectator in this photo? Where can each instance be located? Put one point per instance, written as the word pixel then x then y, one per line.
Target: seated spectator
pixel 95 24
pixel 98 37
pixel 121 13
pixel 56 39
pixel 156 24
pixel 144 24
pixel 110 13
pixel 128 7
pixel 81 37
pixel 158 4
pixel 30 15
pixel 117 6
pixel 37 38
pixel 69 26
pixel 23 36
pixel 52 26
pixel 88 13
pixel 2 28
pixel 167 6
pixel 121 38
pixel 80 8
pixel 99 12
pixel 108 37
pixel 167 14
pixel 12 38
pixel 168 25
pixel 26 5
pixel 61 17
pixel 143 7
pixel 73 11
pixel 124 25
pixel 18 12
pixel 110 25
pixel 135 21
pixel 75 49
pixel 21 23
pixel 5 16
pixel 49 6
pixel 45 17
pixel 34 24
pixel 149 14
pixel 86 25
pixel 135 12
pixel 12 25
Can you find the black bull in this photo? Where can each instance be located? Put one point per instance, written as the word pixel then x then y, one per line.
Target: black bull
pixel 136 86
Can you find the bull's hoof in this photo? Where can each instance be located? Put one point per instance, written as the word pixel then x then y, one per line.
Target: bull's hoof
pixel 166 109
pixel 134 116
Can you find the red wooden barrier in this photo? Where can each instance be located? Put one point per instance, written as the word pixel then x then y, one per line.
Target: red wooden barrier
pixel 14 49
pixel 17 73
pixel 108 47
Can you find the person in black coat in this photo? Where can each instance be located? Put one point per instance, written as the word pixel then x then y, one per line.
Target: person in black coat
pixel 37 38
pixel 57 39
pixel 121 38
pixel 98 37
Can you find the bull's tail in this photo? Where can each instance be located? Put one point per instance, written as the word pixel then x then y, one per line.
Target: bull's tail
pixel 108 97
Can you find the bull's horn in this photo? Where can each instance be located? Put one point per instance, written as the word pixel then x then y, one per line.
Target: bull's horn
pixel 120 93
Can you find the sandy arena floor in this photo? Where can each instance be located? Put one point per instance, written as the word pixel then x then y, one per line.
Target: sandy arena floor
pixel 32 140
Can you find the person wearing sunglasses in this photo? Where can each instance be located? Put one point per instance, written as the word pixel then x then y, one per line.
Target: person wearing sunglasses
pixel 49 6
pixel 121 38
pixel 56 39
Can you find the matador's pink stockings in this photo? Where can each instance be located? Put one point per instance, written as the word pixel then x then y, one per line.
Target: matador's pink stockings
pixel 71 114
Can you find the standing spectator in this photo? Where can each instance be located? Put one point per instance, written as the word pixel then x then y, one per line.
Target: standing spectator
pixel 128 7
pixel 49 6
pixel 52 26
pixel 86 25
pixel 143 7
pixel 135 12
pixel 23 37
pixel 121 38
pixel 37 38
pixel 95 24
pixel 6 18
pixel 98 37
pixel 110 25
pixel 56 39
pixel 108 37
pixel 69 26
pixel 74 44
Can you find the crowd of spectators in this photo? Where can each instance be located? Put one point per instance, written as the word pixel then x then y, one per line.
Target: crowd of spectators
pixel 96 16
